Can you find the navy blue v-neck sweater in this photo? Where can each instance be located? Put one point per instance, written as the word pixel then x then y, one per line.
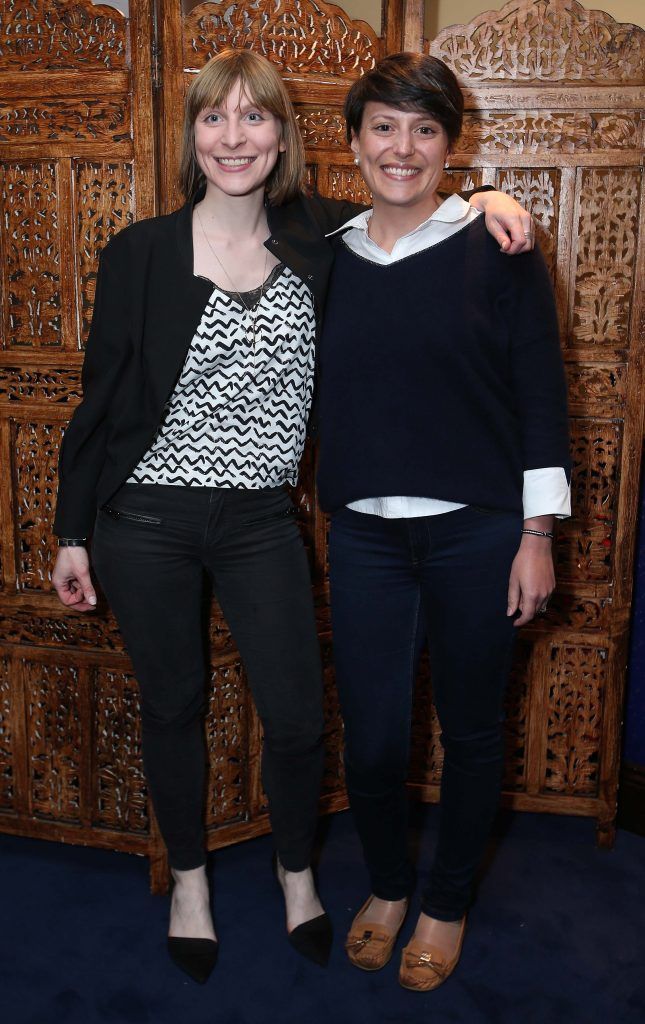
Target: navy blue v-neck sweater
pixel 441 375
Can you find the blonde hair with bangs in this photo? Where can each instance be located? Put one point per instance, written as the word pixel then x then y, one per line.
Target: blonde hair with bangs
pixel 263 85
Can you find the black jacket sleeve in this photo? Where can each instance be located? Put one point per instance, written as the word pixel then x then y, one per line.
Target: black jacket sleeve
pixel 83 451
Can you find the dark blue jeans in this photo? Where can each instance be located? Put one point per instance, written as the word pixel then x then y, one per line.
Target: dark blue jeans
pixel 394 583
pixel 151 550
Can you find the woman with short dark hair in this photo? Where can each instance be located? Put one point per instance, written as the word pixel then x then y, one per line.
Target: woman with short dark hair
pixel 443 461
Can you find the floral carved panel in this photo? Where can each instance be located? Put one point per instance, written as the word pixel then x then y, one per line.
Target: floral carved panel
pixel 54 739
pixel 31 281
pixel 347 183
pixel 120 800
pixel 542 41
pixel 57 35
pixel 538 191
pixel 56 384
pixel 576 687
pixel 84 632
pixel 104 201
pixel 605 238
pixel 104 119
pixel 300 36
pixel 36 447
pixel 530 132
pixel 585 543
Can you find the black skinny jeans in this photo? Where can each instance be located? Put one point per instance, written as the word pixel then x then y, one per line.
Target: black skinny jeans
pixel 150 549
pixel 394 582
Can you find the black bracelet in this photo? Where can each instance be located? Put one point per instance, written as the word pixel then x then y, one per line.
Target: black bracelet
pixel 539 533
pixel 72 542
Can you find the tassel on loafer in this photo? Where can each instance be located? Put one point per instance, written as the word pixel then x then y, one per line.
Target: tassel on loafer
pixel 196 957
pixel 312 939
pixel 370 945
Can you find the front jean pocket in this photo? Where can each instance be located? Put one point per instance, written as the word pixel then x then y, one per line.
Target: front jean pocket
pixel 284 513
pixel 132 517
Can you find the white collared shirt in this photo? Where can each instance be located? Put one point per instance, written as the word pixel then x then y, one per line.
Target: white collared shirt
pixel 546 491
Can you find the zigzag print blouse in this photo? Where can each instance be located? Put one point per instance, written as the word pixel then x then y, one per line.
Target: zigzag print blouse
pixel 238 418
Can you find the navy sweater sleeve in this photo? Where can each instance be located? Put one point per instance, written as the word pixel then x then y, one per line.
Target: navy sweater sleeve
pixel 539 385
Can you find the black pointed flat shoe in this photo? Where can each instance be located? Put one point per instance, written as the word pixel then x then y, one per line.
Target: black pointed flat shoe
pixel 196 957
pixel 312 939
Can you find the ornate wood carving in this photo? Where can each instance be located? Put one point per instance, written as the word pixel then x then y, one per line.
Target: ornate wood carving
pixel 121 795
pixel 106 119
pixel 82 633
pixel 347 183
pixel 31 281
pixel 552 117
pixel 55 739
pixel 574 720
pixel 543 41
pixel 36 447
pixel 605 240
pixel 48 35
pixel 538 191
pixel 104 205
pixel 542 131
pixel 302 36
pixel 58 385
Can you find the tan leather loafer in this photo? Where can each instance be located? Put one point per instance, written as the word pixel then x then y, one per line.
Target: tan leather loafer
pixel 369 945
pixel 424 967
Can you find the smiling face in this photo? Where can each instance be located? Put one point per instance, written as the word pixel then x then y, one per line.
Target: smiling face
pixel 402 155
pixel 237 144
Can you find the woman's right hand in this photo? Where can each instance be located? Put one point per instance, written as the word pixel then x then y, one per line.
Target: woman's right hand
pixel 72 580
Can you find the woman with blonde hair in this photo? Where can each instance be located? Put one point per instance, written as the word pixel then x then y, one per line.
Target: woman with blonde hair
pixel 198 381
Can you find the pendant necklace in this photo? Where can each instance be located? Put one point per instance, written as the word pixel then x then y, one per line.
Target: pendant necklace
pixel 251 311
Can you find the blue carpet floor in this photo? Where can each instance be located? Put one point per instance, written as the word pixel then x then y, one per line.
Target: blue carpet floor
pixel 557 935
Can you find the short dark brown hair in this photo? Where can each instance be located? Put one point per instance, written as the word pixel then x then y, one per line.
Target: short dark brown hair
pixel 260 80
pixel 409 81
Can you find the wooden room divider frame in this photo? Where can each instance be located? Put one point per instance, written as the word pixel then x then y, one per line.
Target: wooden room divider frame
pixel 90 119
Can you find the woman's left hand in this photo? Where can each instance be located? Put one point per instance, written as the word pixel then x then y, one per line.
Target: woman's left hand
pixel 508 222
pixel 532 579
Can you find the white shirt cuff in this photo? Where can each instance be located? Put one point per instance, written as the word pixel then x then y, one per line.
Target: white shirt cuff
pixel 546 493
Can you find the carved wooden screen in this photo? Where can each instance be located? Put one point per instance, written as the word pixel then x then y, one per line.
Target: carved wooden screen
pixel 76 165
pixel 77 149
pixel 553 96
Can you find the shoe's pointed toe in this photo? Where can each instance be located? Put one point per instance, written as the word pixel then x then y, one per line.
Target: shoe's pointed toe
pixel 313 939
pixel 196 957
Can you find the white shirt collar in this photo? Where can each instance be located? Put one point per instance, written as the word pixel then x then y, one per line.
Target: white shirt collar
pixel 452 209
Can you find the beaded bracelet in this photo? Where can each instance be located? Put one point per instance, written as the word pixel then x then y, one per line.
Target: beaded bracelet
pixel 539 533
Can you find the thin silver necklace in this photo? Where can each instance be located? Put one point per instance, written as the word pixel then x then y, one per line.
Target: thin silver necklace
pixel 251 311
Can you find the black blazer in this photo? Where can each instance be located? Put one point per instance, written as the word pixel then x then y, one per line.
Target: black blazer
pixel 147 307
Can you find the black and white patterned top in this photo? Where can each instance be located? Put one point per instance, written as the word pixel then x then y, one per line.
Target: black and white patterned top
pixel 237 418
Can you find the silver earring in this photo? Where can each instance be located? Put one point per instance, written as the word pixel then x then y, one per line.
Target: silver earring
pixel 357 160
pixel 446 166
